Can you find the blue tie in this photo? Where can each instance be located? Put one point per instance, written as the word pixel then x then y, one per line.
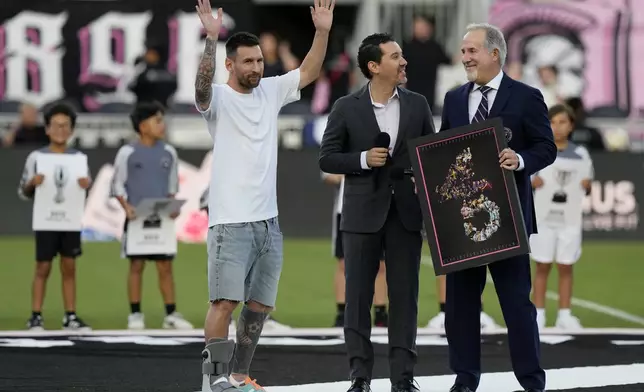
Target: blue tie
pixel 483 110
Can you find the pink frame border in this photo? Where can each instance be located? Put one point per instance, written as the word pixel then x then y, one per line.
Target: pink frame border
pixel 429 205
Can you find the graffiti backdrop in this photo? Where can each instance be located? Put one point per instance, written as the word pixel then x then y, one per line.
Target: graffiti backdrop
pixel 594 44
pixel 85 51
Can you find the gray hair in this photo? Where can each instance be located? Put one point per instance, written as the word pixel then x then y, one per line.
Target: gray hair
pixel 493 39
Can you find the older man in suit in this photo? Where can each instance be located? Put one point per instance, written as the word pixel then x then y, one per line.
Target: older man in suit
pixel 490 93
pixel 365 140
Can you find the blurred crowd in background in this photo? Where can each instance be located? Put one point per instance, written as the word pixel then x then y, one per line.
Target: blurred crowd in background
pixel 430 45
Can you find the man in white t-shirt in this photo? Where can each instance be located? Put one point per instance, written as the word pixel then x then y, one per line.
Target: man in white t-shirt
pixel 559 191
pixel 244 239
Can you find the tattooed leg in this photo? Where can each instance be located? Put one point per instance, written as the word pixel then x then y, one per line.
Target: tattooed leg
pixel 249 329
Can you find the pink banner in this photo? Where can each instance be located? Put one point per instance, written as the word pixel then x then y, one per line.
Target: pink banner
pixel 592 43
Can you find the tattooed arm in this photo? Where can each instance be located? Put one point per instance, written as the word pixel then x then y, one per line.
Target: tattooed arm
pixel 322 14
pixel 205 75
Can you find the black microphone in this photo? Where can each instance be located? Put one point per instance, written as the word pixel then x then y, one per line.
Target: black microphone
pixel 382 141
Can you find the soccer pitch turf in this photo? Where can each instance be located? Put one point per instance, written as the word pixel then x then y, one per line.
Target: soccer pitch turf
pixel 607 286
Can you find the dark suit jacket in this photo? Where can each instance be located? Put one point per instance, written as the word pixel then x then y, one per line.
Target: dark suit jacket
pixel 352 128
pixel 524 112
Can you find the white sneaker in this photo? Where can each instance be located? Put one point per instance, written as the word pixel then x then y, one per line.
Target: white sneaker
pixel 271 325
pixel 488 323
pixel 438 322
pixel 568 322
pixel 176 321
pixel 136 321
pixel 222 384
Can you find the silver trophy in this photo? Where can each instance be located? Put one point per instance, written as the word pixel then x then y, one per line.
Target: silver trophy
pixel 153 221
pixel 60 180
pixel 562 177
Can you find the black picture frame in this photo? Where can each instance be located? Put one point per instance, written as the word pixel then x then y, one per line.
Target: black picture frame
pixel 488 192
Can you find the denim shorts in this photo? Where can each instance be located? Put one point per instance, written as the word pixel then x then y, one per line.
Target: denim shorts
pixel 245 261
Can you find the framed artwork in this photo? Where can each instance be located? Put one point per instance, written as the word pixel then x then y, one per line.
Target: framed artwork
pixel 470 205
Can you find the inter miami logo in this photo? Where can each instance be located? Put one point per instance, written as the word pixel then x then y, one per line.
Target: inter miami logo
pixel 165 163
pixel 61 176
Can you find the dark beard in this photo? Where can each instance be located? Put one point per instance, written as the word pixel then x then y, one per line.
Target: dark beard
pixel 246 84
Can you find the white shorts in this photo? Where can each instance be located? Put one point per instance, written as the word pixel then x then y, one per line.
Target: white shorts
pixel 561 245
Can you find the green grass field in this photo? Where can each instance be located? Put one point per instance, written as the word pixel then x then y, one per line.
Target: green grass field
pixel 609 274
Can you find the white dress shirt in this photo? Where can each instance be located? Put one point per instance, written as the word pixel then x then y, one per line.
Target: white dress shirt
pixel 475 100
pixel 388 118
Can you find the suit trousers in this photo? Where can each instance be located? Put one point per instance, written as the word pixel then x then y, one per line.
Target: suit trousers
pixel 362 252
pixel 462 321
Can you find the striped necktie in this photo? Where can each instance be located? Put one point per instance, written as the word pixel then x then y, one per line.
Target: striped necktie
pixel 483 110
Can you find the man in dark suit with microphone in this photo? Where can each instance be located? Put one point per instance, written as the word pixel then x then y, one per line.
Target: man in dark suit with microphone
pixel 490 93
pixel 366 140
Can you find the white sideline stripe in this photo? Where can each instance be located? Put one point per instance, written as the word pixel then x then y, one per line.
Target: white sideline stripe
pixel 599 308
pixel 301 332
pixel 556 379
pixel 594 306
pixel 628 342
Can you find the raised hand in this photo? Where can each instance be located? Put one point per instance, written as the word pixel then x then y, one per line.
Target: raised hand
pixel 322 14
pixel 210 24
pixel 206 72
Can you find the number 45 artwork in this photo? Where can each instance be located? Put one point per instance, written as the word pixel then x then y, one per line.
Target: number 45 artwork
pixel 461 185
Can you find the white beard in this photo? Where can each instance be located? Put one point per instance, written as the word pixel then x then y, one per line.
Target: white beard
pixel 471 76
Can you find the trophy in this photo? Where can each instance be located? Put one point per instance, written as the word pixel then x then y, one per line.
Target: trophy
pixel 60 180
pixel 153 221
pixel 562 177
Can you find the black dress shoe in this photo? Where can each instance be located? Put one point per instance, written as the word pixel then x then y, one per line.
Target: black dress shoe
pixel 404 386
pixel 359 385
pixel 460 388
pixel 534 390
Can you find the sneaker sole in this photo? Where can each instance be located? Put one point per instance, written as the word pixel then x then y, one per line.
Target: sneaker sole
pixel 83 329
pixel 170 326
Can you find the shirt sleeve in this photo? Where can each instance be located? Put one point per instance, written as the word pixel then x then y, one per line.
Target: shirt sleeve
pixel 288 87
pixel 28 173
pixel 590 169
pixel 521 164
pixel 203 201
pixel 210 114
pixel 118 187
pixel 173 181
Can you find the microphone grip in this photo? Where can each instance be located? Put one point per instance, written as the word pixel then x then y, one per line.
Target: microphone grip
pixel 382 140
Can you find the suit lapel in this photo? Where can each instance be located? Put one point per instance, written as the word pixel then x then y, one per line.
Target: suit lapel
pixel 501 97
pixel 405 114
pixel 367 114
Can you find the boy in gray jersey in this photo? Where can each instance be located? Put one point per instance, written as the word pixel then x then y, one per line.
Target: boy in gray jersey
pixel 147 168
pixel 559 191
pixel 59 121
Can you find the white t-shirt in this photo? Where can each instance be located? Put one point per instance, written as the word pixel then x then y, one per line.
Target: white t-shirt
pixel 558 203
pixel 243 184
